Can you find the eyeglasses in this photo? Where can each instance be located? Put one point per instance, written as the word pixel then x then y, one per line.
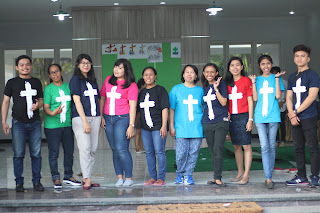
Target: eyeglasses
pixel 55 72
pixel 84 63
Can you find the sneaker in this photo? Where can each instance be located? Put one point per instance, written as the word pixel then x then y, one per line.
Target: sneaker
pixel 57 184
pixel 71 181
pixel 293 170
pixel 297 181
pixel 19 187
pixel 179 179
pixel 159 182
pixel 282 144
pixel 314 181
pixel 188 180
pixel 149 182
pixel 119 182
pixel 38 187
pixel 277 169
pixel 127 182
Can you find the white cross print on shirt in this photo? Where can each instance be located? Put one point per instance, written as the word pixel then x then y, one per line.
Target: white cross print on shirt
pixel 208 98
pixel 63 99
pixel 190 103
pixel 265 90
pixel 91 93
pixel 113 95
pixel 298 89
pixel 234 97
pixel 28 93
pixel 146 105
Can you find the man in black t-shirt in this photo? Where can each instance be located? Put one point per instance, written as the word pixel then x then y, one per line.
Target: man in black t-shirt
pixel 26 92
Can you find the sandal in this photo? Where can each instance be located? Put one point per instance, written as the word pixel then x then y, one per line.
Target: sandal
pixel 149 182
pixel 222 184
pixel 211 182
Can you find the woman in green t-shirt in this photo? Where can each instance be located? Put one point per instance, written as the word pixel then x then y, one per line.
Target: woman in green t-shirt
pixel 57 126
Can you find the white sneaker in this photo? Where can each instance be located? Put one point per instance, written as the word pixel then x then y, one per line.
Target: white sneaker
pixel 128 182
pixel 119 182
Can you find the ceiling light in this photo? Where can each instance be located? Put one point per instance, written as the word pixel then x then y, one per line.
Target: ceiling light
pixel 162 2
pixel 61 14
pixel 214 9
pixel 291 12
pixel 116 4
pixel 54 0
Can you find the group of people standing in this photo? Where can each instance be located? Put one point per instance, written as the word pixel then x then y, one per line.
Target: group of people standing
pixel 189 112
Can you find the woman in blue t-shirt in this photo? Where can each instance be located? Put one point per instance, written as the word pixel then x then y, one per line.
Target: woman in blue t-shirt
pixel 215 118
pixel 266 90
pixel 185 122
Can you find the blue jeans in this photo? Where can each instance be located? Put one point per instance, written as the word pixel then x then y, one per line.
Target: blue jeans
pixel 54 137
pixel 187 151
pixel 267 135
pixel 154 144
pixel 20 133
pixel 116 128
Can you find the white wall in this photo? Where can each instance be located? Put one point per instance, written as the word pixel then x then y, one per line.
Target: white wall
pixel 290 31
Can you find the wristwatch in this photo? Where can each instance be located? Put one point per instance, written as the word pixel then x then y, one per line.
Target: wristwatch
pixel 295 112
pixel 131 125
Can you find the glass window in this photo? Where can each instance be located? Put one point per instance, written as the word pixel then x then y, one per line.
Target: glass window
pixel 41 59
pixel 217 57
pixel 66 64
pixel 242 51
pixel 270 49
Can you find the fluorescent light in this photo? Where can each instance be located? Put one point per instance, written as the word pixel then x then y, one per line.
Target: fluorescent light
pixel 162 2
pixel 116 4
pixel 54 0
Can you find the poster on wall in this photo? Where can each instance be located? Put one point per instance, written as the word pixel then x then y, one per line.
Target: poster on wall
pixel 175 50
pixel 150 51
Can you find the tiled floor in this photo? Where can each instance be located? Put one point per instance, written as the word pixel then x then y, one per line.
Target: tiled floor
pixel 126 199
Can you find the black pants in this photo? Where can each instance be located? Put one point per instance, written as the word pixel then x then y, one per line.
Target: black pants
pixel 306 133
pixel 216 135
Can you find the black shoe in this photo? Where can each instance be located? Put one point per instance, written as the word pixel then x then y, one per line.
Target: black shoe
pixel 38 187
pixel 19 187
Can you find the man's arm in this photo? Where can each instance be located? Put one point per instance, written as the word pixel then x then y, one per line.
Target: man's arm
pixel 313 92
pixel 4 114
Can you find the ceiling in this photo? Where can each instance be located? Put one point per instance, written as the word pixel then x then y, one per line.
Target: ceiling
pixel 35 11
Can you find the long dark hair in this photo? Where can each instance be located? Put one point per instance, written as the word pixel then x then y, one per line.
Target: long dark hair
pixel 229 77
pixel 128 73
pixel 59 67
pixel 195 69
pixel 77 72
pixel 204 81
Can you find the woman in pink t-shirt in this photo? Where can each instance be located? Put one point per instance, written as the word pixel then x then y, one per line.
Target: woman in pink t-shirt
pixel 119 95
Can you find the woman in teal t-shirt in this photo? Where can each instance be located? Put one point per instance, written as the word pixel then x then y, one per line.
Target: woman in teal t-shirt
pixel 57 126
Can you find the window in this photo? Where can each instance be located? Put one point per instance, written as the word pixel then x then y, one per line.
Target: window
pixel 242 51
pixel 41 59
pixel 217 57
pixel 66 64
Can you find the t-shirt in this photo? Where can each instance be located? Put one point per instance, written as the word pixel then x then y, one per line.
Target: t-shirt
pixel 56 96
pixel 238 95
pixel 187 104
pixel 24 93
pixel 117 98
pixel 151 102
pixel 213 111
pixel 89 96
pixel 300 88
pixel 267 108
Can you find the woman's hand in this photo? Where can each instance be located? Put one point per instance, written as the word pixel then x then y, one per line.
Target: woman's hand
pixel 130 132
pixel 86 127
pixel 217 83
pixel 57 111
pixel 103 123
pixel 172 132
pixel 253 78
pixel 249 126
pixel 163 131
pixel 280 74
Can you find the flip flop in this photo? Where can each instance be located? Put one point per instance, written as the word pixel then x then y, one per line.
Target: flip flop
pixel 222 184
pixel 210 182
